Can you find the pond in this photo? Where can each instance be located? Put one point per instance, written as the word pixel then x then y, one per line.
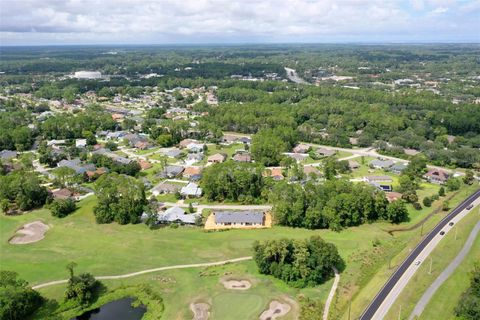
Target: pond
pixel 116 310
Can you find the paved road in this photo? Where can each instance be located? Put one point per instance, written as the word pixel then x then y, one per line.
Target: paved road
pixel 331 294
pixel 422 303
pixel 133 274
pixel 387 296
pixel 294 77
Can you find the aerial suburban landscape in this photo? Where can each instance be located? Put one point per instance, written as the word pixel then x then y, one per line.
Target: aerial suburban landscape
pixel 263 180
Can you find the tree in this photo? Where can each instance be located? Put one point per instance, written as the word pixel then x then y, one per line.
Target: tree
pixel 427 202
pixel 81 289
pixel 65 176
pixel 62 207
pixel 397 212
pixel 300 263
pixel 17 300
pixel 446 205
pixel 120 198
pixel 441 192
pixel 453 184
pixel 468 307
pixel 330 170
pixel 469 177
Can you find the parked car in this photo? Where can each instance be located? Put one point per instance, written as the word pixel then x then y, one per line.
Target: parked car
pixel 470 207
pixel 442 233
pixel 418 262
pixel 450 224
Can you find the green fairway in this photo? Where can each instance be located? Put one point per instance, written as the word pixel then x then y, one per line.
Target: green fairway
pixel 115 249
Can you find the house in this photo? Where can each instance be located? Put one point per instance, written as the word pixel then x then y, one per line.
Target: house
pixel 74 165
pixel 185 142
pixel 301 148
pixel 353 141
pixel 195 157
pixel 217 158
pixel 245 140
pixel 191 171
pixel 352 164
pixel 229 139
pixel 171 171
pixel 381 164
pixel 81 143
pixel 411 152
pixel 195 147
pixel 274 172
pixel 174 153
pixel 381 186
pixel 177 215
pixel 398 168
pixel 377 179
pixel 437 176
pixel 52 143
pixel 64 194
pixel 7 154
pixel 165 188
pixel 242 157
pixel 297 156
pixel 191 190
pixel 393 196
pixel 309 170
pixel 238 220
pixel 325 152
pixel 144 165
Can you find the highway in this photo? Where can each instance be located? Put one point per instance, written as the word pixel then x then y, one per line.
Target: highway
pixel 379 306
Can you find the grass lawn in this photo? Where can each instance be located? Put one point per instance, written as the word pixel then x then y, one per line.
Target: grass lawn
pixel 444 301
pixel 368 289
pixel 114 249
pixel 441 257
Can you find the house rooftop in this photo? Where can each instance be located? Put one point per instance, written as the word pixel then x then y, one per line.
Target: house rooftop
pixel 254 217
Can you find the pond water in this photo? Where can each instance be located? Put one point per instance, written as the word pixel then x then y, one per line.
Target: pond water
pixel 116 310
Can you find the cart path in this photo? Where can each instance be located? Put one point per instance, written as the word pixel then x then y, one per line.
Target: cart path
pixel 133 274
pixel 422 303
pixel 331 294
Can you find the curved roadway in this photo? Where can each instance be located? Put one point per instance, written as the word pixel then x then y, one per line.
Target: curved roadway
pixel 379 306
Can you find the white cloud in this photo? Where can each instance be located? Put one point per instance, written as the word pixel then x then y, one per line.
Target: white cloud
pixel 95 21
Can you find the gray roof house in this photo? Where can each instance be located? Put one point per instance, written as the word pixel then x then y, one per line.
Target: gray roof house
pixel 381 164
pixel 398 168
pixel 8 154
pixel 165 187
pixel 176 214
pixel 191 190
pixel 75 165
pixel 171 171
pixel 245 218
pixel 173 153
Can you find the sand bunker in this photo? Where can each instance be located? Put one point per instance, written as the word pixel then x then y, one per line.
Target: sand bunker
pixel 236 284
pixel 276 309
pixel 200 310
pixel 29 233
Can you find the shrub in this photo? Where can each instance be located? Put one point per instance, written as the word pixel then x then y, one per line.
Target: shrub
pixel 62 207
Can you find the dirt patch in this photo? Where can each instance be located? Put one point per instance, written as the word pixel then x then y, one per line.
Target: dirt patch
pixel 201 310
pixel 275 310
pixel 29 233
pixel 237 284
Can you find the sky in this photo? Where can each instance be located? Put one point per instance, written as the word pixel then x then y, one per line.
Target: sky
pixel 67 22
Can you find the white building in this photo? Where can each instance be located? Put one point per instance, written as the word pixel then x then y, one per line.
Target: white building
pixel 87 75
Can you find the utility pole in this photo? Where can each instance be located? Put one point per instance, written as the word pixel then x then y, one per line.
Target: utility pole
pixel 421 230
pixel 400 312
pixel 431 261
pixel 349 308
pixel 456 231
